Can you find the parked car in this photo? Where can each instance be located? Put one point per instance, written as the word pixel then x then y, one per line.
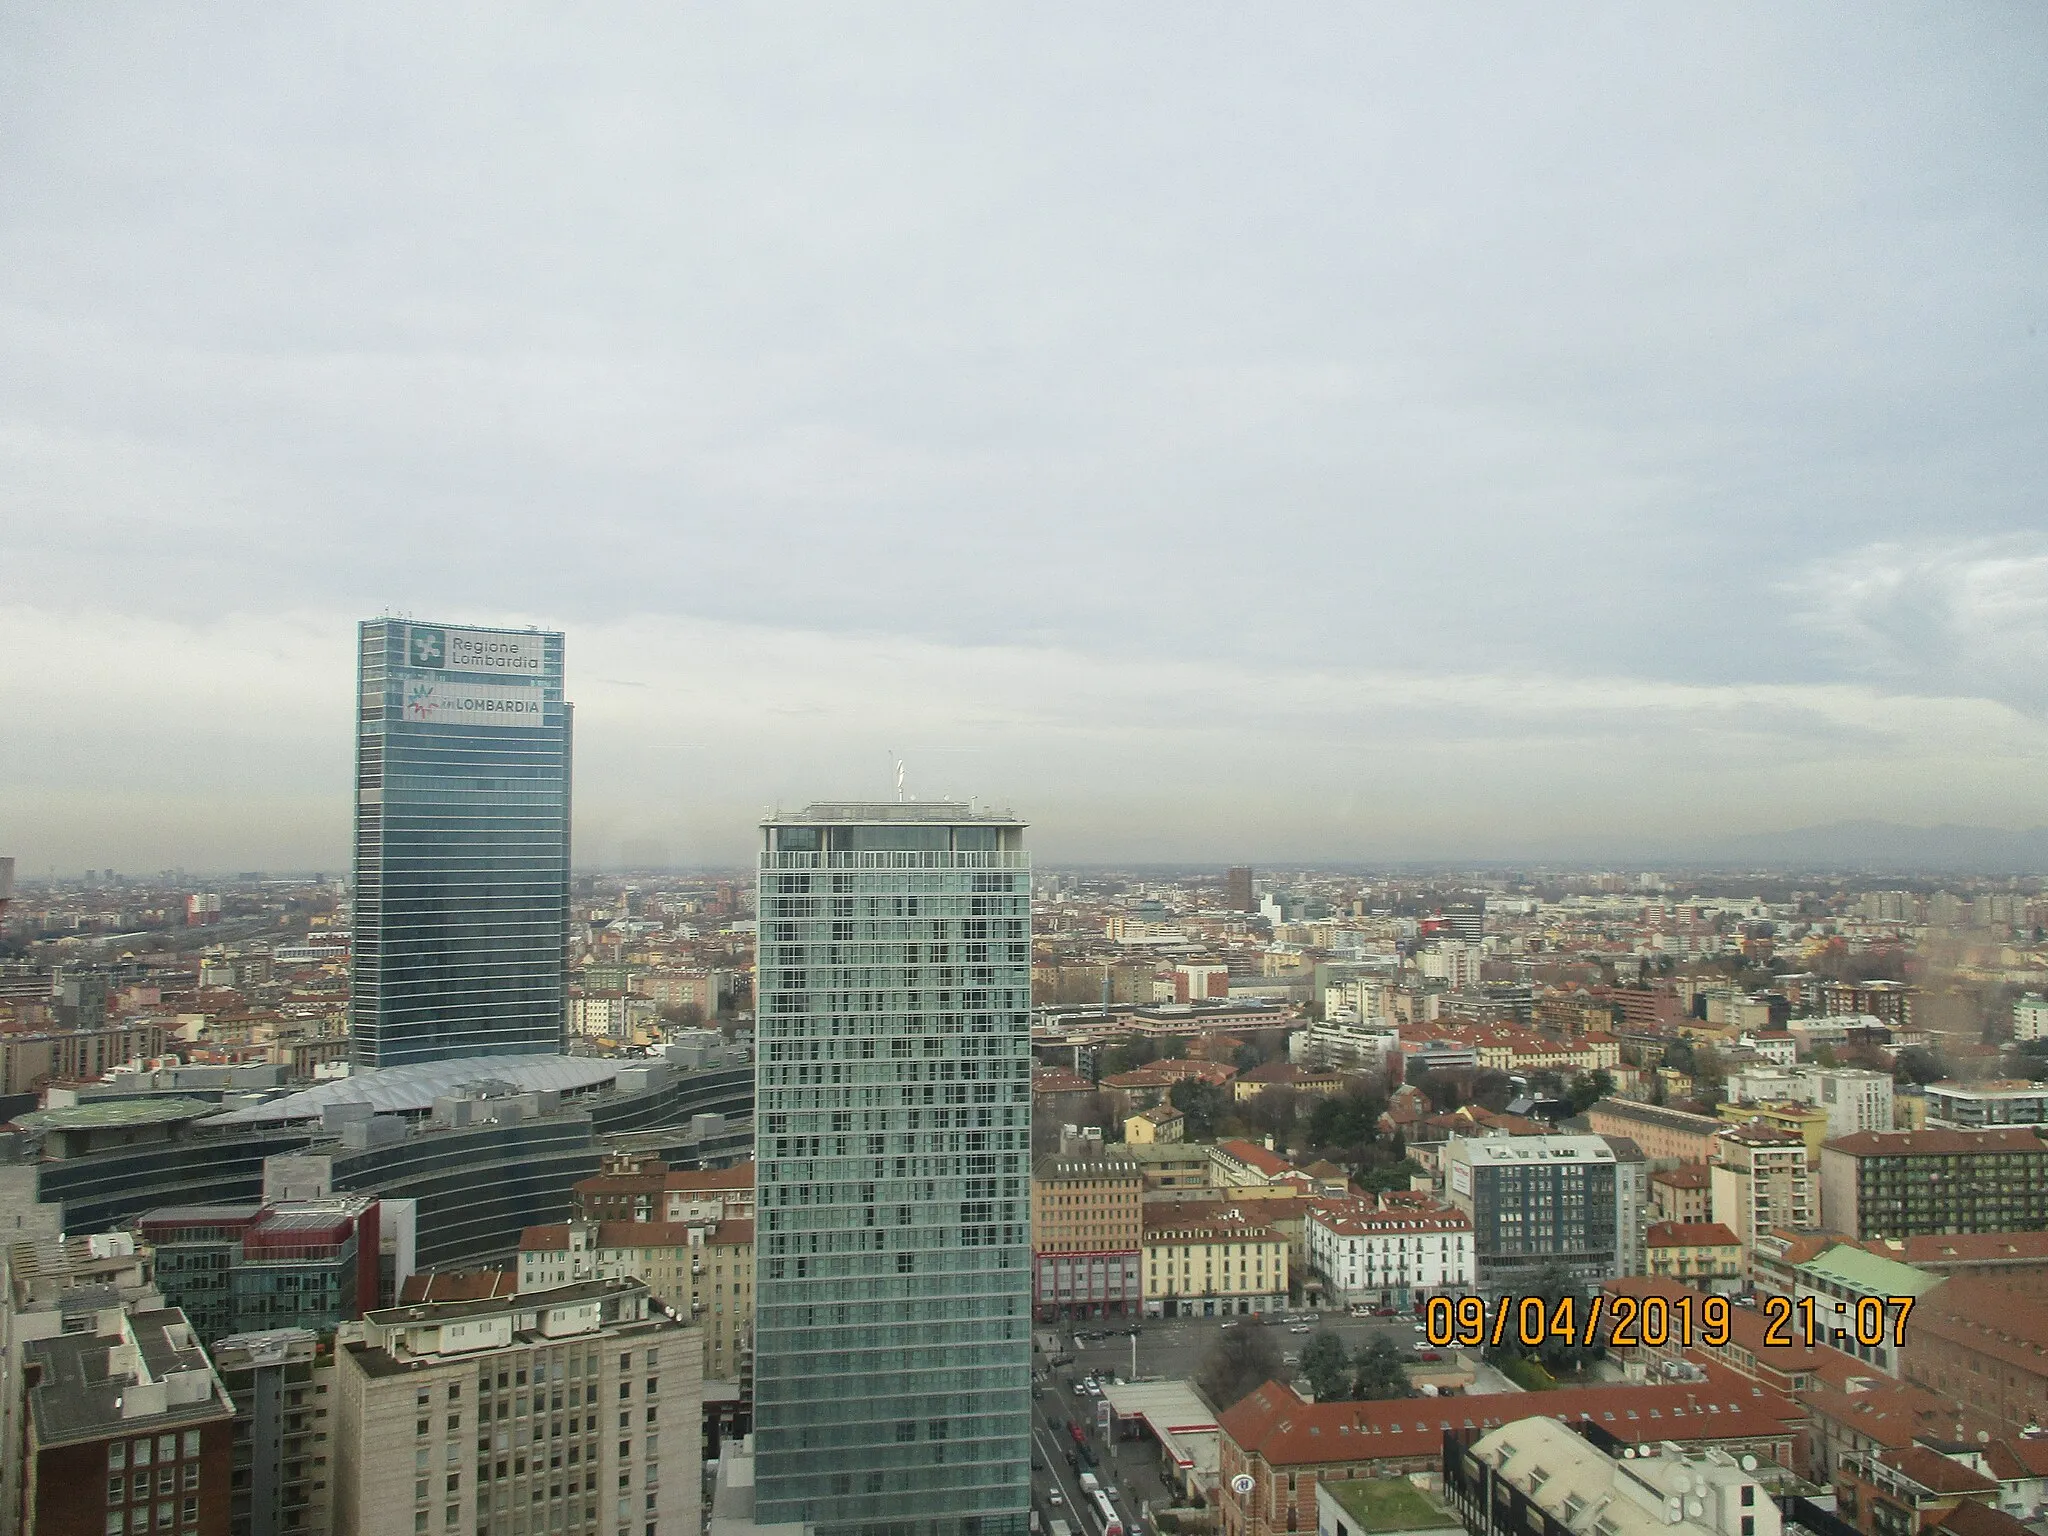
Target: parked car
pixel 1300 1328
pixel 1429 1354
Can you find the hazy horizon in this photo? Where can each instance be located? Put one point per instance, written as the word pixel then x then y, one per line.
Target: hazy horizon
pixel 1331 436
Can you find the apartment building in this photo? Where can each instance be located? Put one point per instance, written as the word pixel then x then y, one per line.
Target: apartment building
pixel 1702 1254
pixel 1759 1181
pixel 128 1428
pixel 1920 1183
pixel 1208 1262
pixel 282 1386
pixel 575 1409
pixel 1681 1194
pixel 1954 1106
pixel 1087 1233
pixel 1536 1202
pixel 635 1188
pixel 1389 1257
pixel 1668 1137
pixel 701 1271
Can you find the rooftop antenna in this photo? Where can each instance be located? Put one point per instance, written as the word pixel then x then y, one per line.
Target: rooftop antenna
pixel 900 796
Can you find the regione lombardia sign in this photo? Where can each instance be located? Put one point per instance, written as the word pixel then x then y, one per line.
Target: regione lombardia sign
pixel 438 648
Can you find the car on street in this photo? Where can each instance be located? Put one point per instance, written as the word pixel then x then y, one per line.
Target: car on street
pixel 1429 1354
pixel 1300 1328
pixel 1232 1323
pixel 1080 1389
pixel 1054 1499
pixel 1290 1359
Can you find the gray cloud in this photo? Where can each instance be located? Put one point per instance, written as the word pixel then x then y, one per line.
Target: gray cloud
pixel 1411 386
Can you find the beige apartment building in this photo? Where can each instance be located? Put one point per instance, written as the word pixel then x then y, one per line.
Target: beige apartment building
pixel 1761 1181
pixel 1212 1263
pixel 702 1271
pixel 576 1409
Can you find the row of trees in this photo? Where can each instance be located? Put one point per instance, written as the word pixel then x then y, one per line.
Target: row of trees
pixel 1374 1373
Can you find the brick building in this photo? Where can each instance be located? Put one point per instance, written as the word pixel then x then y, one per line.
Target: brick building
pixel 1981 1345
pixel 128 1430
pixel 1287 1446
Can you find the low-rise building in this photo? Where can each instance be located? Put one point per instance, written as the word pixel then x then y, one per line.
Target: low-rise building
pixel 1286 1074
pixel 1275 1450
pixel 1393 1257
pixel 1980 1345
pixel 1705 1255
pixel 1856 1296
pixel 1161 1123
pixel 1536 1477
pixel 1682 1194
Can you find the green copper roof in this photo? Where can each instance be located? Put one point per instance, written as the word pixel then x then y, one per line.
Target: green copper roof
pixel 1856 1269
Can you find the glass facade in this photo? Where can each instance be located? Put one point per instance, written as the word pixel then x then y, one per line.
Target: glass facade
pixel 893 1103
pixel 462 844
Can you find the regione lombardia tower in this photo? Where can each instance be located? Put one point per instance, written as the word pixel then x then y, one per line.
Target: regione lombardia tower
pixel 462 843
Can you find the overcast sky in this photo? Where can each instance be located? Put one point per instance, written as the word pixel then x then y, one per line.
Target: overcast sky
pixel 1270 432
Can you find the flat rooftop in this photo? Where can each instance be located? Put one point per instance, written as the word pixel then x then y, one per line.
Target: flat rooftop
pixel 78 1400
pixel 889 813
pixel 1391 1504
pixel 108 1114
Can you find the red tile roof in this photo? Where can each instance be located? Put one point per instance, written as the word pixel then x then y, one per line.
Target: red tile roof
pixel 1936 1142
pixel 1286 1431
pixel 1252 1155
pixel 467 1285
pixel 1935 1472
pixel 1690 1234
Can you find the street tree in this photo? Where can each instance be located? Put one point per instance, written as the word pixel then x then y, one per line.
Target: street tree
pixel 1242 1360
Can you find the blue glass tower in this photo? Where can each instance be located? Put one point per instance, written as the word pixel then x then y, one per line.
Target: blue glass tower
pixel 462 843
pixel 892 1346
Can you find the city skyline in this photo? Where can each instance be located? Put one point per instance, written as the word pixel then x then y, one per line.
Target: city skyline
pixel 1429 456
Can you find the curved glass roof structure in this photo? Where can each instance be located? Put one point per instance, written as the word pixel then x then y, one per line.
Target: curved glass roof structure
pixel 412 1089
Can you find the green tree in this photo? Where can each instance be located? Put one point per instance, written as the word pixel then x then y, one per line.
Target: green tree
pixel 1204 1104
pixel 1557 1356
pixel 1242 1360
pixel 1588 1089
pixel 1325 1363
pixel 1917 1064
pixel 1381 1177
pixel 1378 1372
pixel 1441 1091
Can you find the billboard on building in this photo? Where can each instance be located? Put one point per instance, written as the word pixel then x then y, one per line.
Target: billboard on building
pixel 438 701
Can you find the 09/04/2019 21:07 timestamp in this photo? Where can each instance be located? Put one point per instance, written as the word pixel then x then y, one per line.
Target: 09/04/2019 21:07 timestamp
pixel 1627 1322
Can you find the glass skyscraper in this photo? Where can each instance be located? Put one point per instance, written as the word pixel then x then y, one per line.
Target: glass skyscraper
pixel 892 1341
pixel 462 843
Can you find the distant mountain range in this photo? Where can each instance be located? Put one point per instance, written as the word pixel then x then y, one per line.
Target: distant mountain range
pixel 1878 846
